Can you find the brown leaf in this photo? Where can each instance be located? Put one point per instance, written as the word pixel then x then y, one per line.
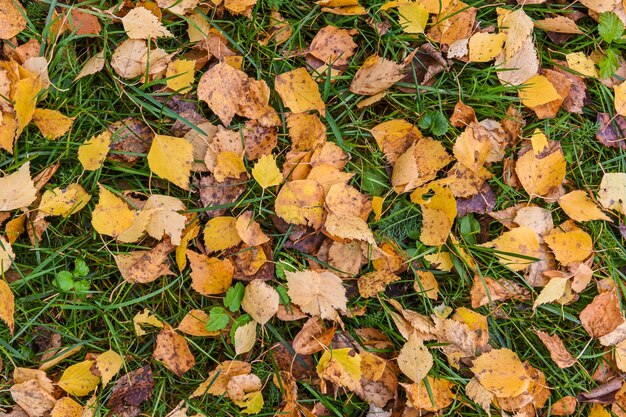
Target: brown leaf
pixel 130 391
pixel 333 46
pixel 32 397
pixel 172 349
pixel 258 139
pixel 611 131
pixel 602 315
pixel 141 267
pixel 376 75
pixel 130 137
pixel 558 352
pixel 313 337
pixel 214 194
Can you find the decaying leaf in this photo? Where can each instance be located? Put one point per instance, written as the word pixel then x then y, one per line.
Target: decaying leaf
pixel 260 301
pixel 558 352
pixel 172 349
pixel 299 91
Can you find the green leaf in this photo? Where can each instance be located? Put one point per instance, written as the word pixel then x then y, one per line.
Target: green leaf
pixel 426 121
pixel 218 319
pixel 80 268
pixel 64 281
pixel 609 64
pixel 283 296
pixel 469 228
pixel 82 285
pixel 233 297
pixel 440 124
pixel 610 27
pixel 374 181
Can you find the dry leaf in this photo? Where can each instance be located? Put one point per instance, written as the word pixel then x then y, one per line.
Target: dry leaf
pixel 172 159
pixel 501 372
pixel 569 243
pixel 63 202
pixel 602 315
pixel 419 397
pixel 34 399
pixel 245 337
pixel 541 176
pixel 141 267
pixel 266 173
pixel 108 364
pixel 611 193
pixel 93 65
pixel 140 23
pixel 13 19
pixel 180 75
pixel 301 202
pixel 194 324
pixel 260 301
pixel 210 276
pixel 17 190
pixel 558 352
pixel 172 350
pixel 374 282
pixel 220 233
pixel 131 390
pixel 313 337
pixel 52 123
pixel 579 207
pixel 477 393
pixel 341 367
pixel 317 293
pixel 145 318
pixel 7 300
pixel 376 75
pixel 299 91
pixel 414 359
pixel 66 407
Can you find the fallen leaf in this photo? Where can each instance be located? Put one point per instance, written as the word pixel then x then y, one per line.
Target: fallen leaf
pixel 372 283
pixel 17 190
pixel 313 337
pixel 426 284
pixel 78 380
pixel 564 406
pixel 111 216
pixel 220 233
pixel 245 337
pixel 142 267
pixel 140 23
pixel 376 75
pixel 180 75
pixel 558 24
pixel 486 290
pixel 483 47
pixel 194 324
pixel 130 391
pixel 7 300
pixel 35 400
pixel 63 202
pixel 210 276
pixel 219 378
pixel 127 58
pixel 418 395
pixel 333 46
pixel 260 301
pixel 93 65
pixel 51 123
pixel 317 293
pixel 611 192
pixel 541 176
pixel 266 173
pixel 172 350
pixel 501 372
pixel 518 241
pixel 6 259
pixel 602 315
pixel 108 364
pixel 558 352
pixel 66 407
pixel 579 62
pixel 145 318
pixel 569 244
pixel 579 207
pixel 301 202
pixel 299 91
pixel 172 159
pixel 554 290
pixel 13 19
pixel 477 393
pixel 341 367
pixel 414 359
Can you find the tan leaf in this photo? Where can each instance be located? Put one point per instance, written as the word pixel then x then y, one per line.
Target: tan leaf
pixel 376 75
pixel 313 337
pixel 32 398
pixel 301 202
pixel 414 359
pixel 612 191
pixel 164 219
pixel 260 301
pixel 419 396
pixel 17 190
pixel 250 231
pixel 66 407
pixel 140 23
pixel 317 293
pixel 141 267
pixel 127 58
pixel 374 282
pixel 558 352
pixel 602 315
pixel 172 350
pixel 93 65
pixel 218 379
pixel 108 364
pixel 245 338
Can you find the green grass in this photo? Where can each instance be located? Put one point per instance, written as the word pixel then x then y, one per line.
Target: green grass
pixel 102 319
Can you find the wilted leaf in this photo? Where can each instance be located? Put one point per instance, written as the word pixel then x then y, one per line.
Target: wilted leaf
pixel 612 192
pixel 317 293
pixel 602 315
pixel 172 349
pixel 260 301
pixel 141 267
pixel 140 23
pixel 245 337
pixel 108 364
pixel 17 190
pixel 7 300
pixel 52 123
pixel 558 352
pixel 414 359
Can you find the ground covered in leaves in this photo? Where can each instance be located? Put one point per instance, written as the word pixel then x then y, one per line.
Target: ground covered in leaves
pixel 296 208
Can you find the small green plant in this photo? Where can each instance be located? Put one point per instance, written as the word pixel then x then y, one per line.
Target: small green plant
pixel 611 29
pixel 434 122
pixel 66 281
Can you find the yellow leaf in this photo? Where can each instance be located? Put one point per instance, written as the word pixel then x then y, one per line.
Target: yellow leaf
pixel 13 229
pixel 518 241
pixel 555 289
pixel 420 397
pixel 539 142
pixel 78 380
pixel 372 283
pixel 538 90
pixel 570 245
pixel 190 232
pixel 245 338
pixel 340 366
pixel 252 403
pixel 483 47
pixel 413 17
pixel 111 215
pixel 145 318
pixel 438 213
pixel 171 158
pixel 220 233
pixel 52 123
pixel 8 129
pixel 93 152
pixel 299 91
pixel 611 193
pixel 13 19
pixel 7 300
pixel 219 378
pixel 266 173
pixel 414 359
pixel 63 202
pixel 180 75
pixel 501 372
pixel 140 23
pixel 249 230
pixel 301 202
pixel 579 207
pixel 210 276
pixel 165 219
pixel 541 176
pixel 66 407
pixel 109 364
pixel 229 164
pixel 598 411
pixel 25 96
pixel 581 63
pixel 17 190
pixel 426 284
pixel 377 207
pixel 620 98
